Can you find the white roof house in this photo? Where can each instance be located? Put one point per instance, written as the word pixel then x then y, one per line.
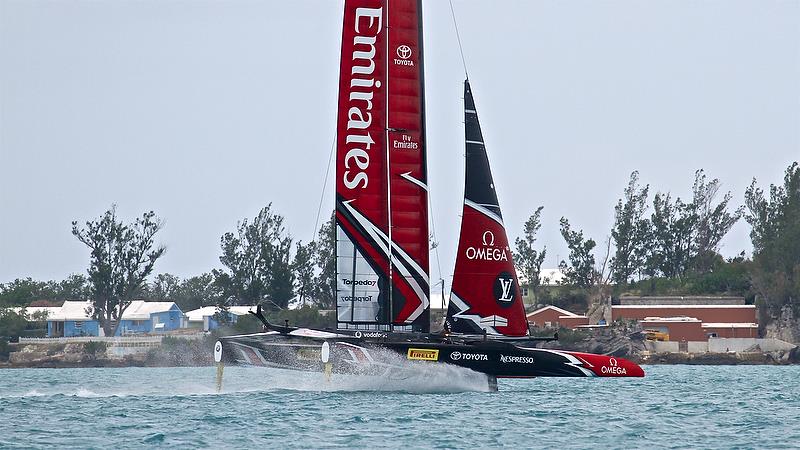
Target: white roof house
pixel 71 310
pixel 31 310
pixel 138 310
pixel 141 310
pixel 562 312
pixel 197 315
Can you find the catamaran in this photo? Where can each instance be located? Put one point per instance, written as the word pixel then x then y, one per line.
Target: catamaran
pixel 382 240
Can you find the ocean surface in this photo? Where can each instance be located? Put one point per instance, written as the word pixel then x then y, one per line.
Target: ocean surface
pixel 673 407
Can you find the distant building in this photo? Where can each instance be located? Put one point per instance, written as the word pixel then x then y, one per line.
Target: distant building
pixel 705 313
pixel 141 317
pixel 555 317
pixel 203 318
pixel 683 329
pixel 679 300
pixel 690 318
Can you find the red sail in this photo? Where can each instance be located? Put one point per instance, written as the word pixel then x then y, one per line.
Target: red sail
pixel 485 296
pixel 378 239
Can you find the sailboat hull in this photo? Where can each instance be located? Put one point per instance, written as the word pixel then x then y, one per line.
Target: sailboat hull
pixel 350 354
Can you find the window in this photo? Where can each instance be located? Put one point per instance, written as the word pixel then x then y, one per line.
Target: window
pixel 548 324
pixel 78 325
pixel 525 291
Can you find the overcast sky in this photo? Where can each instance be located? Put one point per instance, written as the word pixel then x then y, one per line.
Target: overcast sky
pixel 206 111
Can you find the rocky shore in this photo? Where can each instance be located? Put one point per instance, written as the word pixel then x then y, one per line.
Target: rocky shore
pixel 173 353
pixel 626 340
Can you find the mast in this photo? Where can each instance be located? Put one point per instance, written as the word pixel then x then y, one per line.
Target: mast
pixel 485 296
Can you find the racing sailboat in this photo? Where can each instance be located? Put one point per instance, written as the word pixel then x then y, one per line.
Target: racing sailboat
pixel 383 306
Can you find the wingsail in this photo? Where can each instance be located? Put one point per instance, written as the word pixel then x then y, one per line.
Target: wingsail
pixel 381 188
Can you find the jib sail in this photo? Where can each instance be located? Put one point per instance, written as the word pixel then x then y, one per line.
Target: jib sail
pixel 381 188
pixel 485 297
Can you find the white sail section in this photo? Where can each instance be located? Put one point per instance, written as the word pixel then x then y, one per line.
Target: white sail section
pixel 357 285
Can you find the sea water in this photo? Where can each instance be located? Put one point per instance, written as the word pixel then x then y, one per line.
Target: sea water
pixel 673 407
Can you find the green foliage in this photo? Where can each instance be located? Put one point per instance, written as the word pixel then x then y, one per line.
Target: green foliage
pixel 12 324
pixel 306 316
pixel 566 297
pixel 189 294
pixel 712 223
pixel 257 259
pixel 630 231
pixel 672 225
pixel 303 267
pixel 324 255
pixel 685 237
pixel 21 292
pixel 75 287
pixel 165 286
pixel 567 336
pixel 776 240
pixel 247 324
pixel 95 349
pixel 527 259
pixel 581 268
pixel 5 349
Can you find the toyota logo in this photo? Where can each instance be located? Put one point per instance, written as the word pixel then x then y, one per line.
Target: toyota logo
pixel 455 356
pixel 404 52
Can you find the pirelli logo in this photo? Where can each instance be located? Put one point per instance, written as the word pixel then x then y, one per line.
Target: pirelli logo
pixel 423 354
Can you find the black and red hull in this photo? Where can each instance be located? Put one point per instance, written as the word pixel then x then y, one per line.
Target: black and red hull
pixel 351 354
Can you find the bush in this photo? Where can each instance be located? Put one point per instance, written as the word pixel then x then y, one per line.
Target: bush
pixel 5 350
pixel 95 349
pixel 567 336
pixel 307 316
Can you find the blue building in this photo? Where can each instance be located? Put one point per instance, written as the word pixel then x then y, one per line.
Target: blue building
pixel 140 317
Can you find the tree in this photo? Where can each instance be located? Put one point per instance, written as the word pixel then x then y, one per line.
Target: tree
pixel 671 236
pixel 303 266
pixel 257 258
pixel 26 292
pixel 325 261
pixel 712 222
pixel 198 291
pixel 189 294
pixel 12 323
pixel 630 231
pixel 21 292
pixel 75 287
pixel 527 259
pixel 581 268
pixel 775 235
pixel 165 287
pixel 122 256
pixel 686 236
